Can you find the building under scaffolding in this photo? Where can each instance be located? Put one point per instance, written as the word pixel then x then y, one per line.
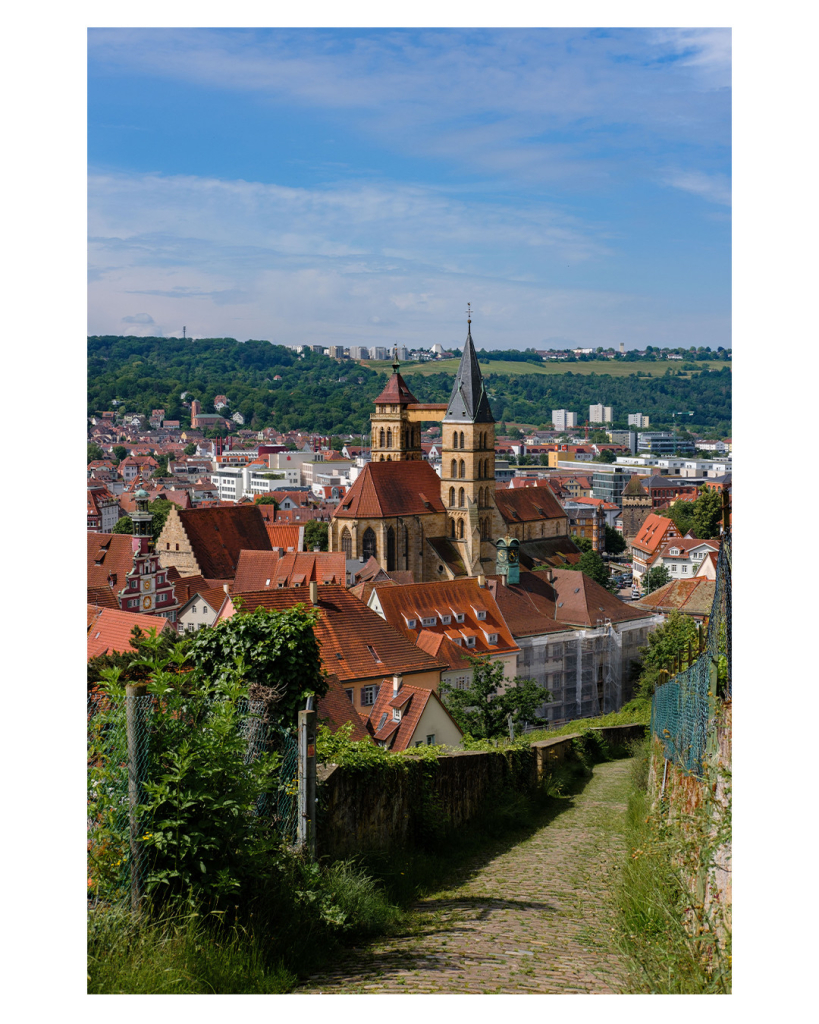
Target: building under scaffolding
pixel 587 668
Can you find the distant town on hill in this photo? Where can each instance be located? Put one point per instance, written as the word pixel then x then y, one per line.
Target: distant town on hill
pixel 314 388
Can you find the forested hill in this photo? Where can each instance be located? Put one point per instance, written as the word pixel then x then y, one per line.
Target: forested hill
pixel 316 393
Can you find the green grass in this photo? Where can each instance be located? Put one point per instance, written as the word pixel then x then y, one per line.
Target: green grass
pixel 652 906
pixel 611 367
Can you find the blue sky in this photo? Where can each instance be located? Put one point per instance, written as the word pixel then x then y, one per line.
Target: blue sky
pixel 361 185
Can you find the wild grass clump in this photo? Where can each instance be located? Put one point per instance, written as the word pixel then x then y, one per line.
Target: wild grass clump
pixel 672 941
pixel 181 952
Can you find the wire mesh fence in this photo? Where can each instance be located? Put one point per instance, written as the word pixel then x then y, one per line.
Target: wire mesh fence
pixel 123 761
pixel 683 707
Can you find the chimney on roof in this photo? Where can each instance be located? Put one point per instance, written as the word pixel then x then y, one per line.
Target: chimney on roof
pixel 481 580
pixel 396 684
pixel 226 588
pixel 314 593
pixel 317 548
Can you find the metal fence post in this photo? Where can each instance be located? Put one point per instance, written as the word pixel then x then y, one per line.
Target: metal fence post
pixel 306 835
pixel 137 739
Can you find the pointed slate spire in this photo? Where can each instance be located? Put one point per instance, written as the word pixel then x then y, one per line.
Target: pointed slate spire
pixel 468 402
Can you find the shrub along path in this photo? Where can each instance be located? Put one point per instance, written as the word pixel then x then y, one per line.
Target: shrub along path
pixel 535 919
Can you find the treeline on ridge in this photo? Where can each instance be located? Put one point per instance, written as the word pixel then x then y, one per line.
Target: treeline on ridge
pixel 316 393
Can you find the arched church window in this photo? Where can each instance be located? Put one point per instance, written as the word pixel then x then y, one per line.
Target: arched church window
pixel 390 550
pixel 460 529
pixel 346 543
pixel 455 439
pixel 452 529
pixel 389 437
pixel 461 498
pixel 368 544
pixel 454 472
pixel 451 496
pixel 462 469
pixel 382 438
pixel 462 439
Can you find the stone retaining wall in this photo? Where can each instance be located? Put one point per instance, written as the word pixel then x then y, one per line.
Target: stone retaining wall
pixel 366 810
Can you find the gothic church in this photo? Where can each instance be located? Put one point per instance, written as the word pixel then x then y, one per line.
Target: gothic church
pixel 402 513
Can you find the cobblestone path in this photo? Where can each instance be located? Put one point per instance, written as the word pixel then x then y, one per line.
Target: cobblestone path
pixel 535 919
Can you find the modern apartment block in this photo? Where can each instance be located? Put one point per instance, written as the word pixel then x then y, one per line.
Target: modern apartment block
pixel 563 419
pixel 600 414
pixel 636 419
pixel 359 352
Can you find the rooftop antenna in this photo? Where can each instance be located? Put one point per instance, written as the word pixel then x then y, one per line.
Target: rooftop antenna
pixel 183 333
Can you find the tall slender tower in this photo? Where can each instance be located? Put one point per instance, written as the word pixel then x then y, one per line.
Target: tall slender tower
pixel 468 464
pixel 394 438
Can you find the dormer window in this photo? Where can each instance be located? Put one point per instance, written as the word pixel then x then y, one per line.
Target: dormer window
pixel 429 621
pixel 396 714
pixel 480 613
pixel 470 641
pixel 446 620
pixel 410 622
pixel 459 616
pixel 492 638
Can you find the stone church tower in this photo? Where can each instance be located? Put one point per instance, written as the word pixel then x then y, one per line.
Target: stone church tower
pixel 636 504
pixel 394 437
pixel 468 466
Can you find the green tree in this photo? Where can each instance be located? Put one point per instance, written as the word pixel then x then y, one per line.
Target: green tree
pixel 681 514
pixel 615 543
pixel 607 455
pixel 266 499
pixel 315 535
pixel 120 452
pixel 598 437
pixel 189 449
pixel 594 567
pixel 482 709
pixel 161 466
pixel 583 543
pixel 656 578
pixel 664 644
pixel 274 654
pixel 707 514
pixel 123 525
pixel 94 452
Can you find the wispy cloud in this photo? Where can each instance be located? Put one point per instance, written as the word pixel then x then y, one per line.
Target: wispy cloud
pixel 716 188
pixel 498 102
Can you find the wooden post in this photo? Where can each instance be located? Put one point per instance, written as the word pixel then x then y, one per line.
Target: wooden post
pixel 137 740
pixel 306 835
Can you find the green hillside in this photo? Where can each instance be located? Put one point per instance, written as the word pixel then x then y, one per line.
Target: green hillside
pixel 316 393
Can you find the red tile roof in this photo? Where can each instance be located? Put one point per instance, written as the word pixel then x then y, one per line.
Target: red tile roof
pixel 652 533
pixel 218 535
pixel 692 597
pixel 419 601
pixel 111 630
pixel 285 535
pixel 440 647
pixel 356 643
pixel 529 504
pixel 335 709
pixel 110 558
pixel 412 701
pixel 397 392
pixel 186 586
pixel 389 489
pixel 267 570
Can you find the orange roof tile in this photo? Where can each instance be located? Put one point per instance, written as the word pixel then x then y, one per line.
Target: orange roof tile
pixel 417 602
pixel 389 489
pixel 654 530
pixel 356 643
pixel 412 700
pixel 218 535
pixel 111 630
pixel 396 392
pixel 528 504
pixel 285 535
pixel 263 570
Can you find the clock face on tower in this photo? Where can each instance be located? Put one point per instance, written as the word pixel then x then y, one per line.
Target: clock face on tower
pixel 146 585
pixel 512 556
pixel 502 557
pixel 146 602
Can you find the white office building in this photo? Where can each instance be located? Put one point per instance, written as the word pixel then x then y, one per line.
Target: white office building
pixel 600 414
pixel 563 419
pixel 637 419
pixel 359 352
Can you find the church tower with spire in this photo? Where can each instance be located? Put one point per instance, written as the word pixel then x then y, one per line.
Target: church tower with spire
pixel 394 437
pixel 468 465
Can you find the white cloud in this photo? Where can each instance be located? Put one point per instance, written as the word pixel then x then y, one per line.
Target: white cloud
pixel 715 188
pixel 139 318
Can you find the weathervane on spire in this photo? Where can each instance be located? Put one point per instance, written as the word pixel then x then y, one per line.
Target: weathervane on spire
pixel 469 312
